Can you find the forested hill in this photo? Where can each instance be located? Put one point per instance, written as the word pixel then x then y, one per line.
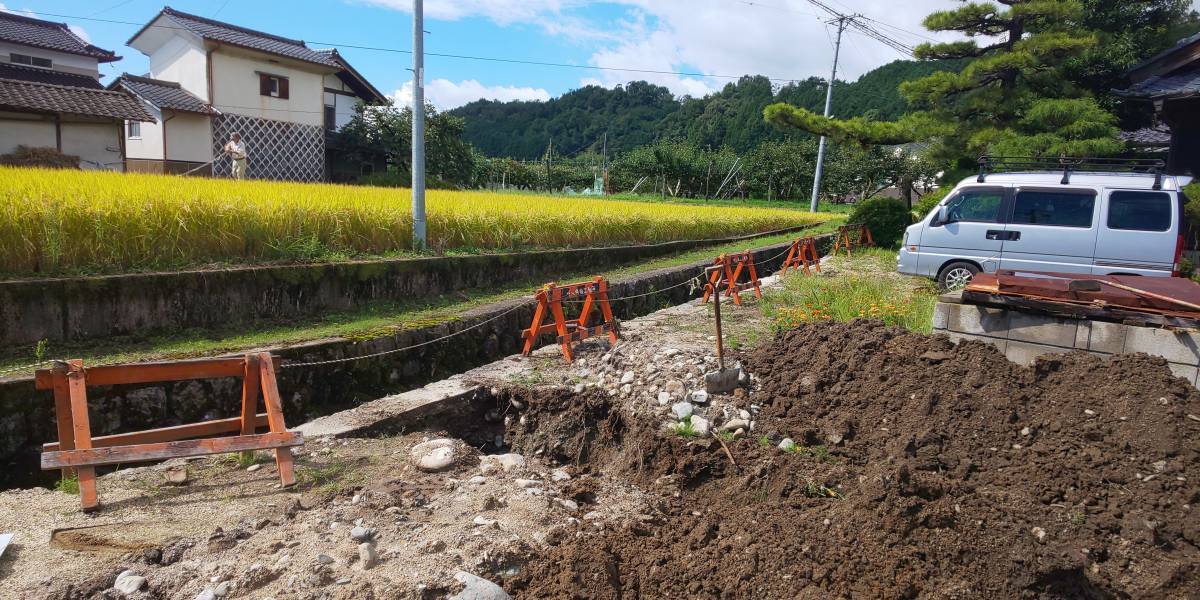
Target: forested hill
pixel 638 113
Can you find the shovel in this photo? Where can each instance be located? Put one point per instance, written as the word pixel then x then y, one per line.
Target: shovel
pixel 721 381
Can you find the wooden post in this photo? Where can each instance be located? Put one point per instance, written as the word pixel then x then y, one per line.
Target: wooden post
pixel 77 386
pixel 250 388
pixel 62 412
pixel 560 322
pixel 270 389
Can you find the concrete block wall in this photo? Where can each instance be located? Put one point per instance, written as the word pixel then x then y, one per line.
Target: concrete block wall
pixel 1024 336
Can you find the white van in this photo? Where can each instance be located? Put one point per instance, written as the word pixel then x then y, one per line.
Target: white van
pixel 1064 221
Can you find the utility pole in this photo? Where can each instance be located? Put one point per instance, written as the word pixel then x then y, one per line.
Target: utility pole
pixel 549 165
pixel 842 21
pixel 420 242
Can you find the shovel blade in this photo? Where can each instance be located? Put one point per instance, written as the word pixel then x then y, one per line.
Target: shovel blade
pixel 721 381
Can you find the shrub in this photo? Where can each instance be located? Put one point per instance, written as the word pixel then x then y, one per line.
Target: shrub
pixel 885 217
pixel 927 202
pixel 24 156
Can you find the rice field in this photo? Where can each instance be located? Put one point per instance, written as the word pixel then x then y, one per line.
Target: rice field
pixel 61 222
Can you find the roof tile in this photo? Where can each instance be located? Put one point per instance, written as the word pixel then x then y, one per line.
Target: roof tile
pixel 42 97
pixel 28 31
pixel 39 75
pixel 164 94
pixel 249 38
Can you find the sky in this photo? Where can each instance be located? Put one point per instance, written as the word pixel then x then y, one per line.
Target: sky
pixel 604 43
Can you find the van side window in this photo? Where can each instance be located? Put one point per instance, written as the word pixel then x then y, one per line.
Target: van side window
pixel 1053 208
pixel 979 206
pixel 1141 211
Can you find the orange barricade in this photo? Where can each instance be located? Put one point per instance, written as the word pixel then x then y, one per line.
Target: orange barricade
pixel 550 299
pixel 77 451
pixel 801 256
pixel 726 271
pixel 844 241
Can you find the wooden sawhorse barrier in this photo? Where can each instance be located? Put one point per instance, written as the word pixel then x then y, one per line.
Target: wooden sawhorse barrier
pixel 726 271
pixel 854 235
pixel 550 299
pixel 801 256
pixel 77 451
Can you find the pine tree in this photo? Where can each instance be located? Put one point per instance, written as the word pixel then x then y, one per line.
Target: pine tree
pixel 1011 98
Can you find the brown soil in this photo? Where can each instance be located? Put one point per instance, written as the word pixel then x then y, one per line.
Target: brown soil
pixel 926 470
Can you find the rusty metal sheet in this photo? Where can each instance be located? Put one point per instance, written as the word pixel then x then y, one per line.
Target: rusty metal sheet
pixel 1057 286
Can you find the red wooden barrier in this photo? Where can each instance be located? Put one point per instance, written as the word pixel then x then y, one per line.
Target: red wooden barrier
pixel 550 299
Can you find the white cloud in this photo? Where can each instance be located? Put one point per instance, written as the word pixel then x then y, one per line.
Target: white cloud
pixel 503 12
pixel 446 94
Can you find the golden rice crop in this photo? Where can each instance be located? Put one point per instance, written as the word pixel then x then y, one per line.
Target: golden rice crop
pixel 55 221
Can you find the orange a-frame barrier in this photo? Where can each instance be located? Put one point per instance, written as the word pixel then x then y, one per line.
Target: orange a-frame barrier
pixel 845 240
pixel 77 451
pixel 550 299
pixel 726 271
pixel 801 256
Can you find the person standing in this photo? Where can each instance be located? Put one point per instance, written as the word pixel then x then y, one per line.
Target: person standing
pixel 237 152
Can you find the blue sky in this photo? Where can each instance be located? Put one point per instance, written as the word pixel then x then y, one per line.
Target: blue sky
pixel 786 39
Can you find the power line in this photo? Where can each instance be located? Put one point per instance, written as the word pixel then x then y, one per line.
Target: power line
pixel 496 59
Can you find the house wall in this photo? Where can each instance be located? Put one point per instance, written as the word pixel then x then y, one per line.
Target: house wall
pixel 189 137
pixel 22 129
pixel 181 58
pixel 150 144
pixel 345 105
pixel 235 88
pixel 97 144
pixel 68 63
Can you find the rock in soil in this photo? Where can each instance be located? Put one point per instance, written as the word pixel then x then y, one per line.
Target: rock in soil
pixel 434 455
pixel 925 496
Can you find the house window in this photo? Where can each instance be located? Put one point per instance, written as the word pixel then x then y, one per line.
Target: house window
pixel 134 129
pixel 273 86
pixel 330 118
pixel 33 61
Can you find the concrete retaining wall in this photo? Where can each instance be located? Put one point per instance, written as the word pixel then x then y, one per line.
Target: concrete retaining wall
pixel 1024 336
pixel 27 419
pixel 85 308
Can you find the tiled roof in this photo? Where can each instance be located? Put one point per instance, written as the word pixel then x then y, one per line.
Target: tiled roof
pixel 1183 82
pixel 352 77
pixel 245 38
pixel 1148 136
pixel 43 97
pixel 28 31
pixel 163 94
pixel 39 75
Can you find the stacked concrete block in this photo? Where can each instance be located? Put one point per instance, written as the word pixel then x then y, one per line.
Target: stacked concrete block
pixel 1024 336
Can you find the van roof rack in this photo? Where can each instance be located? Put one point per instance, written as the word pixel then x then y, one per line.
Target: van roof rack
pixel 1149 166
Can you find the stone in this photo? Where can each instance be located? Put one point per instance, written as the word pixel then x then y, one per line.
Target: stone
pixel 477 480
pixel 478 588
pixel 434 455
pixel 206 594
pixel 628 377
pixel 675 388
pixel 367 555
pixel 579 387
pixel 433 546
pixel 223 589
pixel 559 475
pixel 1039 533
pixel 324 559
pixel 176 476
pixel 664 398
pixel 700 425
pixel 362 534
pixel 570 505
pixel 493 463
pixel 482 521
pixel 699 397
pixel 626 389
pixel 787 445
pixel 1026 431
pixel 682 410
pixel 129 582
pixel 527 483
pixel 254 467
pixel 734 425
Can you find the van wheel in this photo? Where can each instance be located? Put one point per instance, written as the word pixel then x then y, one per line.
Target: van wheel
pixel 956 275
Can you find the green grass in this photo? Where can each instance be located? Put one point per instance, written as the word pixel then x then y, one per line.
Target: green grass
pixel 864 286
pixel 370 321
pixel 685 429
pixel 68 485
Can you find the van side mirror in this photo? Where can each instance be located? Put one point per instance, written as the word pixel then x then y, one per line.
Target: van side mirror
pixel 942 215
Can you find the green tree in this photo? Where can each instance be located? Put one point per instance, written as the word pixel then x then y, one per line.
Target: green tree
pixel 1011 97
pixel 387 131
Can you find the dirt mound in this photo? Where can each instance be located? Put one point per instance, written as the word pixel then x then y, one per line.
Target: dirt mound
pixel 924 469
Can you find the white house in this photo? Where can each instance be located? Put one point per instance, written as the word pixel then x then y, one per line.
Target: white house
pixel 51 97
pixel 209 79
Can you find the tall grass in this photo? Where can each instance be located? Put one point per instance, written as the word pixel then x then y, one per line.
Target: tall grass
pixel 863 287
pixel 56 221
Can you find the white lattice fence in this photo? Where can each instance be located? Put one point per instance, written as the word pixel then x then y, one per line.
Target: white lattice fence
pixel 276 149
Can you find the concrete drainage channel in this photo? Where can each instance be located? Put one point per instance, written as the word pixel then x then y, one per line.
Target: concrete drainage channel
pixel 310 392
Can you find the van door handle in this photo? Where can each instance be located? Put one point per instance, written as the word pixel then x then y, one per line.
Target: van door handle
pixel 995 234
pixel 1013 236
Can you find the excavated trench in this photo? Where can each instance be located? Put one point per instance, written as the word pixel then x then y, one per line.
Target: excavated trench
pixel 923 470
